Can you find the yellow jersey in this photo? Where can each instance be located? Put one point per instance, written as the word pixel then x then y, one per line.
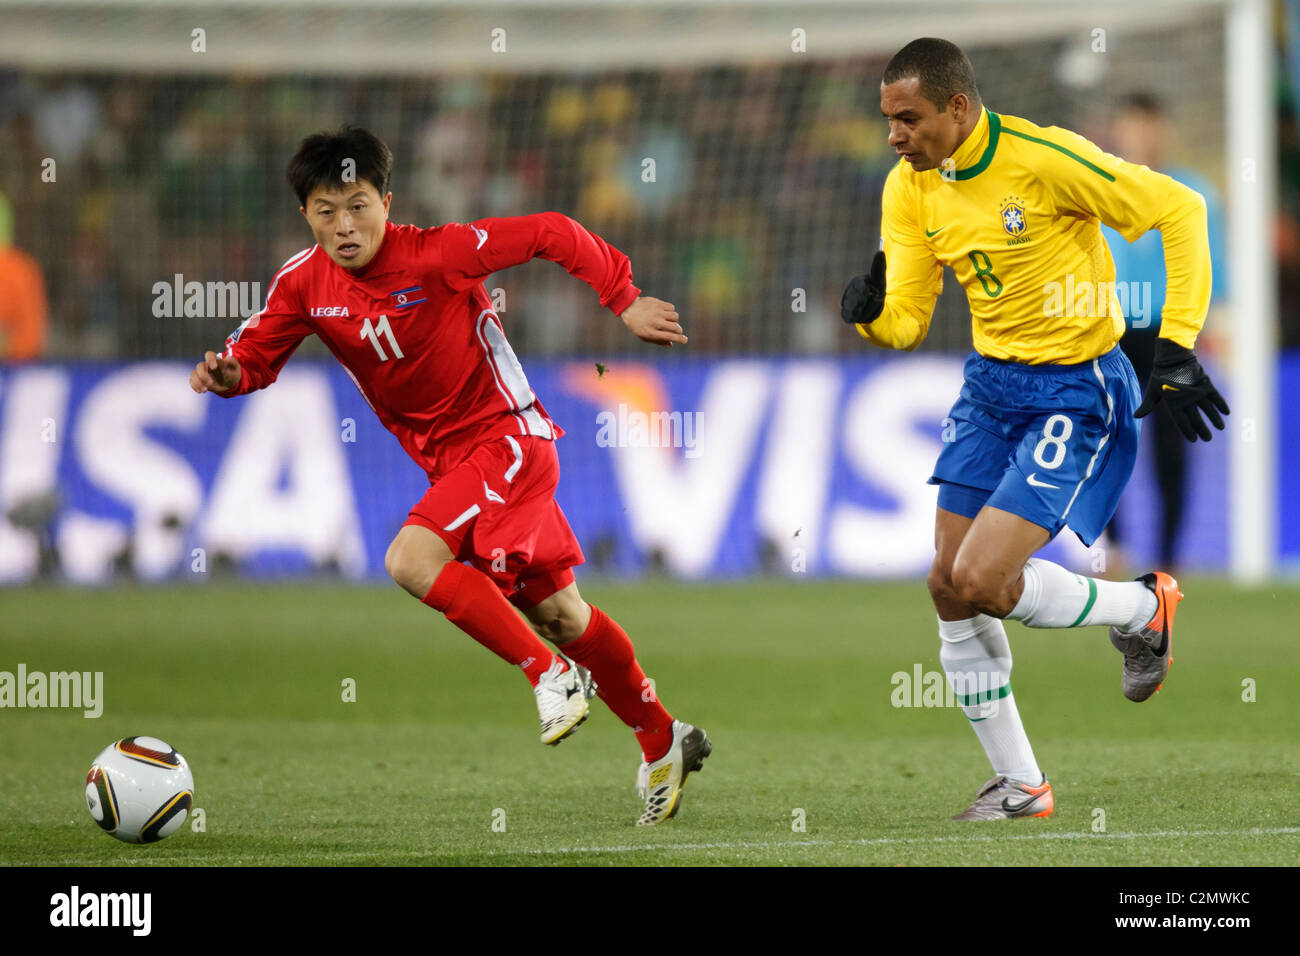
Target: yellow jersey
pixel 1016 213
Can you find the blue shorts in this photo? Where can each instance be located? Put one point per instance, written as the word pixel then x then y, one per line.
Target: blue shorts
pixel 1054 444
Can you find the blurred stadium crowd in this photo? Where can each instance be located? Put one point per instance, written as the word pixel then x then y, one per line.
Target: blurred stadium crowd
pixel 158 176
pixel 730 188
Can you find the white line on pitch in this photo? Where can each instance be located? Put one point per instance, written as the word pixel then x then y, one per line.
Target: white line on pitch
pixel 885 841
pixel 327 855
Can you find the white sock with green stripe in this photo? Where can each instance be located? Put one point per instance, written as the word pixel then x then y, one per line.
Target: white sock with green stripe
pixel 976 656
pixel 1055 597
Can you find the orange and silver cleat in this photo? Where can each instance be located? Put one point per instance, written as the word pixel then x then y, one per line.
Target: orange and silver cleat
pixel 1004 799
pixel 1149 652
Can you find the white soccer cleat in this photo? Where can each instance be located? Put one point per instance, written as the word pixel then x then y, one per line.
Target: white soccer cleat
pixel 562 697
pixel 660 783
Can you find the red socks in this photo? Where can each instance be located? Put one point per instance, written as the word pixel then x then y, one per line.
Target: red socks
pixel 606 651
pixel 474 604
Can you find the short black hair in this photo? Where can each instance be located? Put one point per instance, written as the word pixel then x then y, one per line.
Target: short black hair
pixel 942 68
pixel 321 157
pixel 1143 101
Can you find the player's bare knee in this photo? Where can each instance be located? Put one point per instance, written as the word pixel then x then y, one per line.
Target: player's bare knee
pixel 570 627
pixel 983 588
pixel 557 625
pixel 390 559
pixel 939 581
pixel 561 618
pixel 550 627
pixel 970 584
pixel 398 564
pixel 412 567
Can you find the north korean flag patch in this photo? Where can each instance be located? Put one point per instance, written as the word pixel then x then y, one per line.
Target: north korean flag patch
pixel 406 298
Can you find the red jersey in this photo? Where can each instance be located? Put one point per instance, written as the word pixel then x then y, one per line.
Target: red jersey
pixel 415 329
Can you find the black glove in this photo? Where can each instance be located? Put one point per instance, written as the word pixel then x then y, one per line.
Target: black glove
pixel 1178 380
pixel 865 296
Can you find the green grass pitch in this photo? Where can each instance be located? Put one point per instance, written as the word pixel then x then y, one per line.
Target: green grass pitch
pixel 790 678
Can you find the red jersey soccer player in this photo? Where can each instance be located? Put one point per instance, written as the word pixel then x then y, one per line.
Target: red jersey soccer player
pixel 404 310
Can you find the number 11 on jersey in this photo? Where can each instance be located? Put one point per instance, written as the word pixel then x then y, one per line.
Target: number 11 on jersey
pixel 373 332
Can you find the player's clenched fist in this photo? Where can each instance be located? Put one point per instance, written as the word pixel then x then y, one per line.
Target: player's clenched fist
pixel 864 298
pixel 215 374
pixel 653 320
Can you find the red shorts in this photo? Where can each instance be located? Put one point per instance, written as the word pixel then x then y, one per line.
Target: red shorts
pixel 497 510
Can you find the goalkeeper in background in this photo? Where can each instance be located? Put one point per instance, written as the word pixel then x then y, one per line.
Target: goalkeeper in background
pixel 1142 135
pixel 1045 431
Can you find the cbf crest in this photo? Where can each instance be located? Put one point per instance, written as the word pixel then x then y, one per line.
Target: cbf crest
pixel 1014 223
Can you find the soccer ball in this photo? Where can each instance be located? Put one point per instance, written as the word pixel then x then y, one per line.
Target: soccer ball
pixel 139 790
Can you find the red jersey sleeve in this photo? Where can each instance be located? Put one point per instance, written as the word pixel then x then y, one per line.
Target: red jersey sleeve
pixel 266 339
pixel 469 253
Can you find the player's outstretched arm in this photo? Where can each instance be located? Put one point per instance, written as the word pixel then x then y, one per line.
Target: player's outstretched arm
pixel 215 374
pixel 655 321
pixel 1178 380
pixel 264 341
pixel 465 254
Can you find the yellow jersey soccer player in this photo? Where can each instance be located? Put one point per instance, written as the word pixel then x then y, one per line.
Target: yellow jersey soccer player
pixel 1044 433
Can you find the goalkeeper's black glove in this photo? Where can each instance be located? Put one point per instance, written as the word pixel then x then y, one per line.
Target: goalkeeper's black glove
pixel 1178 380
pixel 865 296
